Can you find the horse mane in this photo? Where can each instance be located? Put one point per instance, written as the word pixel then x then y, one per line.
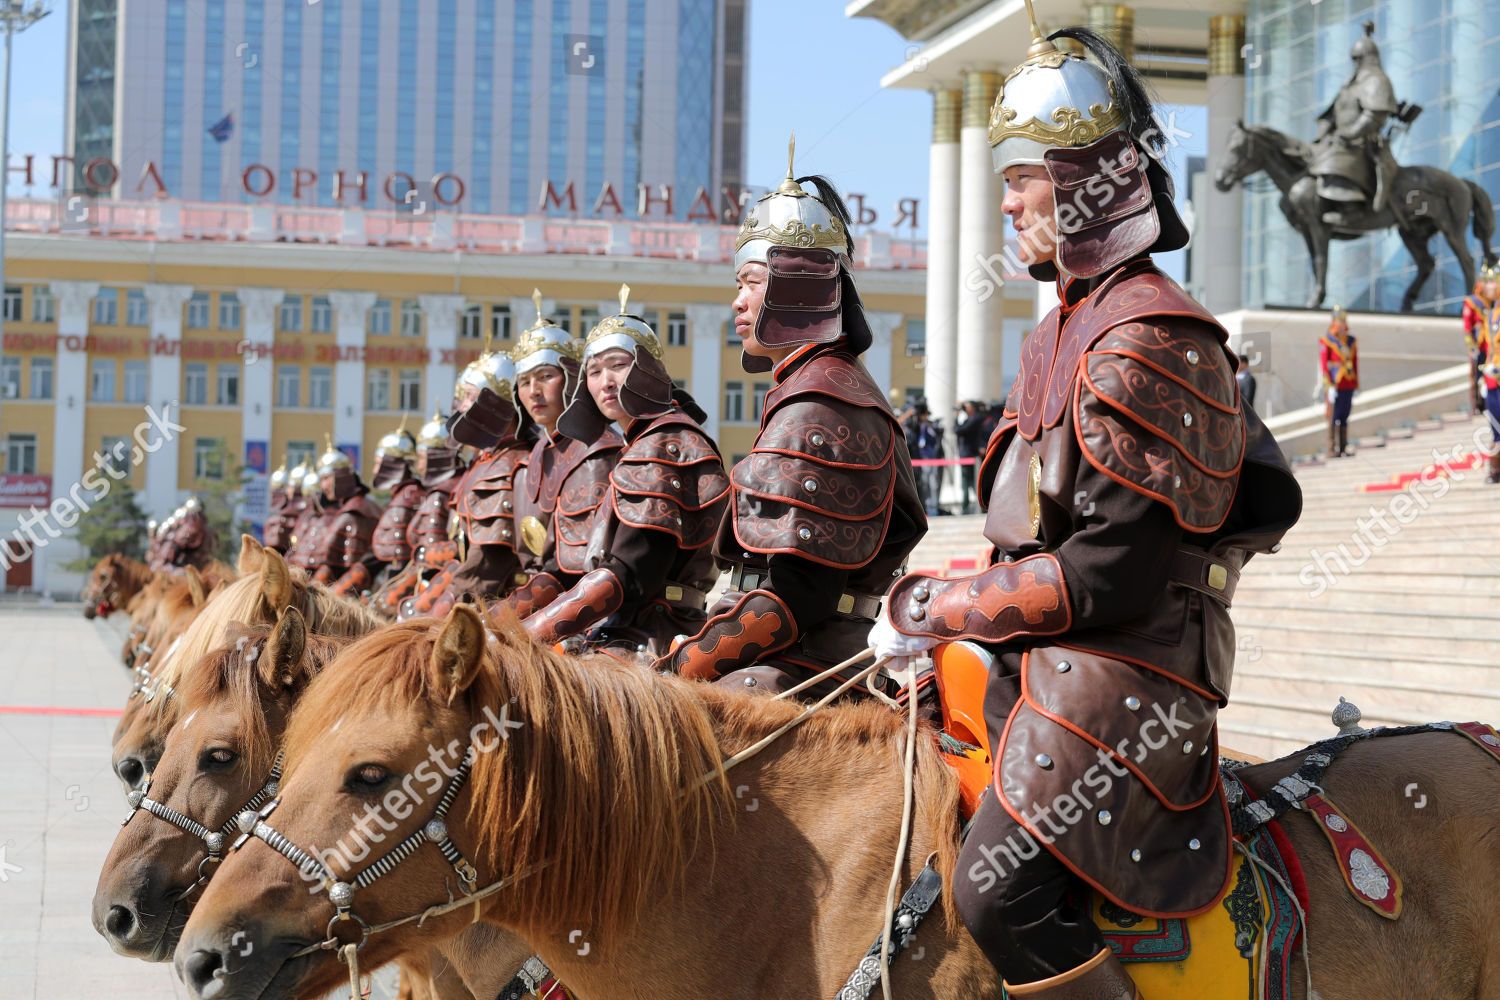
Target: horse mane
pixel 604 785
pixel 230 672
pixel 1284 143
pixel 334 615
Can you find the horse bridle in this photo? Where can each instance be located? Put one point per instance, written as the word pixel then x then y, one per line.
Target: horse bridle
pixel 252 824
pixel 213 840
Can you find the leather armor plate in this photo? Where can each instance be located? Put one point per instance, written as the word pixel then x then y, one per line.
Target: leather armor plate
pixel 389 543
pixel 672 479
pixel 487 503
pixel 581 492
pixel 430 524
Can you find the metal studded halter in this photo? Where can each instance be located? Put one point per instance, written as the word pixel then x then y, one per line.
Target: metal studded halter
pixel 341 893
pixel 213 840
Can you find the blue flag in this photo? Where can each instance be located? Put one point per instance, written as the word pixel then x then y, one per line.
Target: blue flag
pixel 222 129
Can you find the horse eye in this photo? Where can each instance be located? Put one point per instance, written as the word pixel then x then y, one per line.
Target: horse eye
pixel 370 775
pixel 218 759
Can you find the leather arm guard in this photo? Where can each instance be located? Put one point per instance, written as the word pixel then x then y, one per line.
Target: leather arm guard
pixel 354 581
pixel 529 598
pixel 396 590
pixel 324 574
pixel 1025 597
pixel 435 588
pixel 595 597
pixel 759 623
pixel 435 555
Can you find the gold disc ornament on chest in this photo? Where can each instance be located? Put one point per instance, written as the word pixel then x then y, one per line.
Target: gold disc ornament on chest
pixel 1034 494
pixel 534 534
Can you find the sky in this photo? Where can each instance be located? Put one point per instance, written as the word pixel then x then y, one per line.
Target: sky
pixel 811 70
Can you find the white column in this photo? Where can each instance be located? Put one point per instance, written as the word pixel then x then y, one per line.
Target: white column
pixel 981 238
pixel 523 314
pixel 70 394
pixel 1220 224
pixel 706 326
pixel 442 340
pixel 940 363
pixel 257 387
pixel 166 302
pixel 882 336
pixel 349 371
pixel 1046 299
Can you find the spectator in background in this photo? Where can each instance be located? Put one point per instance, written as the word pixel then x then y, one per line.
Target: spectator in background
pixel 927 437
pixel 971 420
pixel 1246 381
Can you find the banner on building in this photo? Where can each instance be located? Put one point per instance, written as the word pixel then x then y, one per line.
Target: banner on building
pixel 257 495
pixel 24 491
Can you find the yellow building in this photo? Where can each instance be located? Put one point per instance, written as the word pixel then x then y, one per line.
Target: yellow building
pixel 258 331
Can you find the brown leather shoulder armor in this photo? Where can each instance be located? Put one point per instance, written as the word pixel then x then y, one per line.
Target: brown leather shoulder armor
pixel 430 524
pixel 346 532
pixel 487 502
pixel 389 542
pixel 580 493
pixel 819 481
pixel 671 478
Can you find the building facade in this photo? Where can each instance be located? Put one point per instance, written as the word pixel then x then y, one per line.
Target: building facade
pixel 259 333
pixel 616 107
pixel 1443 56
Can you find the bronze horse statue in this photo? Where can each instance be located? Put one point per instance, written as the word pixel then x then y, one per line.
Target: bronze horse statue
pixel 1423 202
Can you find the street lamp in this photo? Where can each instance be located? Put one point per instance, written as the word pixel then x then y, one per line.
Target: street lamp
pixel 15 17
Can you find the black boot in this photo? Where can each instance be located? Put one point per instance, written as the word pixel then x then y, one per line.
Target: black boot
pixel 1494 476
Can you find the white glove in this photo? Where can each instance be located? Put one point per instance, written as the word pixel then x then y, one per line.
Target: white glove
pixel 890 644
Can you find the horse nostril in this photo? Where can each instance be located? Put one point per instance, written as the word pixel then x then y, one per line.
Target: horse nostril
pixel 131 771
pixel 121 924
pixel 204 972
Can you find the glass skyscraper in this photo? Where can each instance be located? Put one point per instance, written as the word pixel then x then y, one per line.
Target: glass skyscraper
pixel 1436 55
pixel 476 105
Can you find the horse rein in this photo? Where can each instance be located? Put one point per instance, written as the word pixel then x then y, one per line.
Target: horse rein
pixel 213 840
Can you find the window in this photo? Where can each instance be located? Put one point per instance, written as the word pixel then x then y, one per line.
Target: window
pixel 195 384
pixel 320 387
pixel 107 307
pixel 288 385
pixel 10 378
pixel 411 319
pixel 289 318
pixel 197 311
pixel 208 458
pixel 298 452
pixel 916 337
pixel 761 388
pixel 587 320
pixel 410 390
pixel 500 327
pixel 102 381
pixel 731 335
pixel 471 323
pixel 135 382
pixel 137 310
pixel 43 306
pixel 20 454
pixel 734 402
pixel 41 378
pixel 13 303
pixel 565 319
pixel 380 317
pixel 378 389
pixel 116 452
pixel 320 317
pixel 229 384
pixel 229 311
pixel 677 329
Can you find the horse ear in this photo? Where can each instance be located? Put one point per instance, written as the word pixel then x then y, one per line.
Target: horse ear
pixel 457 653
pixel 252 553
pixel 195 587
pixel 275 580
pixel 280 662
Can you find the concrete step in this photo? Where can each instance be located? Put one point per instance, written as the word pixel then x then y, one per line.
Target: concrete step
pixel 1439 615
pixel 1464 644
pixel 1304 705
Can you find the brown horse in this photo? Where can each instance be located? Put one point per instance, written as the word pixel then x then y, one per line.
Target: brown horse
pixel 234 705
pixel 113 582
pixel 628 868
pixel 266 585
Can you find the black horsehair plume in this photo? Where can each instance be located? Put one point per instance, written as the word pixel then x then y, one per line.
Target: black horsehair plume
pixel 829 196
pixel 1134 93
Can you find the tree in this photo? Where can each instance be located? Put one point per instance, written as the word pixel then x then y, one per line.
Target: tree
pixel 114 522
pixel 220 490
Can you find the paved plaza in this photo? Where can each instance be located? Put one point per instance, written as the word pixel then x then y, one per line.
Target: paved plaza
pixel 62 806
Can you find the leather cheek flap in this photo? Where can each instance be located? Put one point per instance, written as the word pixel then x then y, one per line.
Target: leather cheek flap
pixel 803 279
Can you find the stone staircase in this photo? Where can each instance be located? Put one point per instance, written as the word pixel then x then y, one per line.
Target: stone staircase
pixel 1403 620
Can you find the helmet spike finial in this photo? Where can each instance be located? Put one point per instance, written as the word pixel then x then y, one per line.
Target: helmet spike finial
pixel 790 185
pixel 624 296
pixel 536 298
pixel 402 426
pixel 1040 46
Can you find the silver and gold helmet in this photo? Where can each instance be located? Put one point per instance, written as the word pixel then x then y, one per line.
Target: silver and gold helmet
pixel 624 330
pixel 191 505
pixel 434 433
pixel 1052 99
pixel 310 485
pixel 297 475
pixel 397 444
pixel 437 458
pixel 492 370
pixel 791 216
pixel 332 459
pixel 278 477
pixel 544 343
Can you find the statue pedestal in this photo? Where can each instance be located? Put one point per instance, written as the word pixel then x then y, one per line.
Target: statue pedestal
pixel 1283 348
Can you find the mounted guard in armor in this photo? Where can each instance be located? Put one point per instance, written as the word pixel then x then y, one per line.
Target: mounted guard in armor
pixel 380 571
pixel 824 510
pixel 649 558
pixel 338 533
pixel 186 538
pixel 1126 486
